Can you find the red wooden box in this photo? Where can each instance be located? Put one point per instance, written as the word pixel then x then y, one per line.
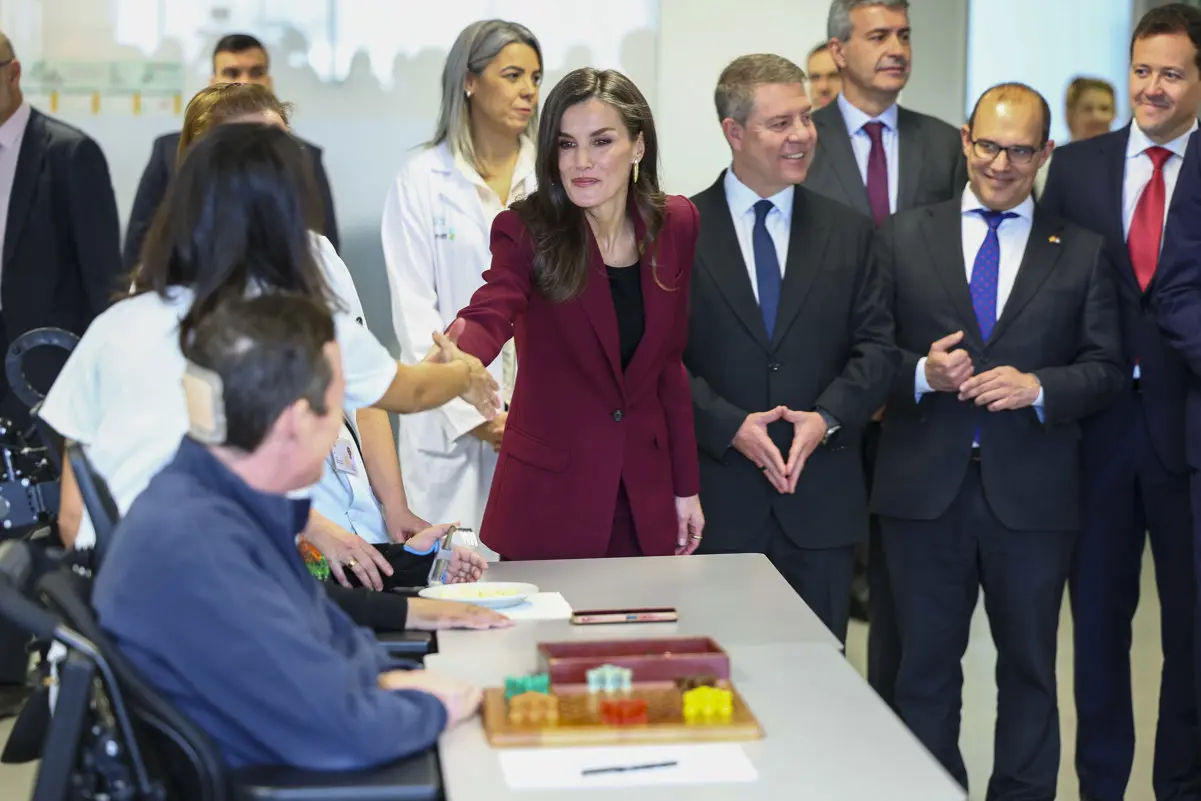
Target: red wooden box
pixel 660 659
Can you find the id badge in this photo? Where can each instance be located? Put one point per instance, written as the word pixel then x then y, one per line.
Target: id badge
pixel 344 458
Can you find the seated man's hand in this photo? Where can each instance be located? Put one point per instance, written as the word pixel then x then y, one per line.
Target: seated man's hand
pixel 344 549
pixel 426 614
pixel 460 698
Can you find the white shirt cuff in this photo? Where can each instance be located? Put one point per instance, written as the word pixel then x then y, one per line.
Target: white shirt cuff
pixel 920 385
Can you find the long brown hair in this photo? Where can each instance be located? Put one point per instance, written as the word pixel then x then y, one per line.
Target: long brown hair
pixel 215 105
pixel 560 229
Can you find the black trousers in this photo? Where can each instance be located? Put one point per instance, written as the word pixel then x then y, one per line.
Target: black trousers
pixel 1125 496
pixel 821 576
pixel 883 637
pixel 938 568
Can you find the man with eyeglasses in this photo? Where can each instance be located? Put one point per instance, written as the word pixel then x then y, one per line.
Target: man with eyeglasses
pixel 1008 323
pixel 1134 471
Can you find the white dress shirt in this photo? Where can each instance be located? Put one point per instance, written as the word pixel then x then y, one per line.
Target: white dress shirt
pixel 861 143
pixel 741 200
pixel 1139 170
pixel 12 133
pixel 1012 235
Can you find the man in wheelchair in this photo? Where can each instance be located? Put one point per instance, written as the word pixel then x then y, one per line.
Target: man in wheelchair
pixel 203 588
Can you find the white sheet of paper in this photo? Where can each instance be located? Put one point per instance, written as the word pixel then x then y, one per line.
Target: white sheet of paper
pixel 562 768
pixel 540 606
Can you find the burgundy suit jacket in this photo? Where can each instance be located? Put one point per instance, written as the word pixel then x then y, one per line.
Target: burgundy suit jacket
pixel 578 424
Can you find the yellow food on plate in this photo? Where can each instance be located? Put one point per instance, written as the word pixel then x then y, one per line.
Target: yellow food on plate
pixel 485 592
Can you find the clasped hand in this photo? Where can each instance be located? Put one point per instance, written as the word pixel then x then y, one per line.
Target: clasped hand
pixel 999 389
pixel 752 441
pixel 482 389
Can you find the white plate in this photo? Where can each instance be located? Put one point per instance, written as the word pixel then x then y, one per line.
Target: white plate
pixel 492 594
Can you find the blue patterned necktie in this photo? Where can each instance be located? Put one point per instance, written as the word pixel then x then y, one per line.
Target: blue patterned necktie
pixel 984 272
pixel 767 266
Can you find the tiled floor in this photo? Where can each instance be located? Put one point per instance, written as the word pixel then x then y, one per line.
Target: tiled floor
pixel 979 703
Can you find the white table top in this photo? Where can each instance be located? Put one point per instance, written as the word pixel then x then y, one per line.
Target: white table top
pixel 733 598
pixel 829 736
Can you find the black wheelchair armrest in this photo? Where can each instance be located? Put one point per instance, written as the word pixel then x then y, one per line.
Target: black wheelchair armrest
pixel 406 643
pixel 414 779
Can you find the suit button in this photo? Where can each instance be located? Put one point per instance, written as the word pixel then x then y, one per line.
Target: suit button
pixel 617 415
pixel 774 367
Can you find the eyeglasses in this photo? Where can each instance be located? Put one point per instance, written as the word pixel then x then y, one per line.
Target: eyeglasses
pixel 6 62
pixel 1018 154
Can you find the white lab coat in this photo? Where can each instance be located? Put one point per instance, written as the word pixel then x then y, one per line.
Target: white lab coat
pixel 436 230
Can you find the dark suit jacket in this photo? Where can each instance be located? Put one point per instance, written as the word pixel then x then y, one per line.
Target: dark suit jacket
pixel 153 188
pixel 1177 285
pixel 1060 323
pixel 932 167
pixel 1084 185
pixel 62 256
pixel 832 348
pixel 578 423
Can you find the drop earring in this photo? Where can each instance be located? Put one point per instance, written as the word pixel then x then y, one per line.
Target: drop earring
pixel 635 172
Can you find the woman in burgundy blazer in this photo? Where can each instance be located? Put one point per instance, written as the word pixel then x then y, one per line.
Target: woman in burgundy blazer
pixel 591 275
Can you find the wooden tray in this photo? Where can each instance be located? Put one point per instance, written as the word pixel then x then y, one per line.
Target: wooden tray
pixel 650 660
pixel 579 721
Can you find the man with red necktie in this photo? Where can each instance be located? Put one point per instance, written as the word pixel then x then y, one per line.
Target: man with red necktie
pixel 1134 472
pixel 879 158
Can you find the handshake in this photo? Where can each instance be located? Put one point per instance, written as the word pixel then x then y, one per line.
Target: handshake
pixel 482 390
pixel 753 442
pixel 999 389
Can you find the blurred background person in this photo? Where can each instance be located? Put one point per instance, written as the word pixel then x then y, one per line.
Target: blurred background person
pixel 436 224
pixel 1090 106
pixel 237 58
pixel 591 274
pixel 825 81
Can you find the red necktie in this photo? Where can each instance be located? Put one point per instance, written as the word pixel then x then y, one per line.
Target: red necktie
pixel 1146 228
pixel 877 173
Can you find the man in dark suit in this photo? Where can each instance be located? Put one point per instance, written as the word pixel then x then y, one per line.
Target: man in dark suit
pixel 879 158
pixel 1134 477
pixel 60 260
pixel 789 349
pixel 237 58
pixel 1008 325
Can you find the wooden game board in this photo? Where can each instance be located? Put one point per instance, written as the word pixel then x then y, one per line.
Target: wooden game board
pixel 580 723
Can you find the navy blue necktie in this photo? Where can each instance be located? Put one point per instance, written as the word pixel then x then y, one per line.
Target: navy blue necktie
pixel 767 266
pixel 985 276
pixel 985 272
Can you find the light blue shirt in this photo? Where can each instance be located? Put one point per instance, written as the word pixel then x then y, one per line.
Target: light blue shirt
pixel 344 493
pixel 861 143
pixel 1012 235
pixel 741 200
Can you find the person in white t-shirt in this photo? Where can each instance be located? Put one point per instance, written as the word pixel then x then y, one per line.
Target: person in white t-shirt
pixel 120 392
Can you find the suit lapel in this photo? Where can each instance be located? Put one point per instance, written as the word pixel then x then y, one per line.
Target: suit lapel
pixel 911 151
pixel 1042 251
pixel 29 167
pixel 943 232
pixel 597 300
pixel 834 144
pixel 807 238
pixel 719 253
pixel 1113 157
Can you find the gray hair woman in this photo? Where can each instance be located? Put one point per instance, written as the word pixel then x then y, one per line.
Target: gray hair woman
pixel 436 226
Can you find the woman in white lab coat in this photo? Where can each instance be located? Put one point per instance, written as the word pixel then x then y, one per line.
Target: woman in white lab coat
pixel 436 226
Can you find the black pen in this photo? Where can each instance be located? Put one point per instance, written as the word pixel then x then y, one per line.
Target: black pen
pixel 628 768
